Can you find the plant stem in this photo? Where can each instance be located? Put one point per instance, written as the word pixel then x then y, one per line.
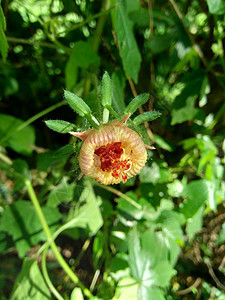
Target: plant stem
pixel 120 194
pixel 48 234
pixel 32 119
pixel 46 277
pixel 105 116
pixel 32 43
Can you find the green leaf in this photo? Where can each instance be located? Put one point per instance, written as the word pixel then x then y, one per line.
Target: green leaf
pixel 129 51
pixel 22 223
pixel 127 289
pixel 146 117
pixel 30 284
pixel 106 90
pixel 150 293
pixel 77 104
pixel 150 174
pixel 82 56
pixel 135 103
pixel 118 86
pixel 21 167
pixel 60 126
pixel 160 43
pixel 194 224
pixel 3 44
pixel 162 143
pixel 20 141
pixel 87 216
pixel 185 113
pixel 162 274
pixel 149 266
pixel 216 7
pixel 221 238
pixel 63 192
pixel 76 294
pixel 196 193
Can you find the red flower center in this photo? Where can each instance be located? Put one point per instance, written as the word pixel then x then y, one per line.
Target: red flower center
pixel 110 157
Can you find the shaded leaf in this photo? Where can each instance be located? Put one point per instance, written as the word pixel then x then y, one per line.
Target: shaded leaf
pixel 196 193
pixel 63 192
pixel 20 141
pixel 216 7
pixel 30 284
pixel 22 223
pixel 129 51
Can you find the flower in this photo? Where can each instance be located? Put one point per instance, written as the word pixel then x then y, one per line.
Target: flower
pixel 112 154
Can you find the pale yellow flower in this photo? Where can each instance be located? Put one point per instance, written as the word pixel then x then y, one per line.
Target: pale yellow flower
pixel 112 154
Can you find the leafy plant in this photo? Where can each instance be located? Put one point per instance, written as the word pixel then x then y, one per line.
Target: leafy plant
pixel 157 70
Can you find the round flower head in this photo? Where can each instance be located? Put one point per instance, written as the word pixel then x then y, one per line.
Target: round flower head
pixel 112 154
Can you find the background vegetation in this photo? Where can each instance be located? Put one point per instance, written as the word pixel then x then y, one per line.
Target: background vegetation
pixel 159 236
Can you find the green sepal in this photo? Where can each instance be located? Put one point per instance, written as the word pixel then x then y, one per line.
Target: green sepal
pixel 135 103
pixel 77 104
pixel 146 117
pixel 60 126
pixel 106 90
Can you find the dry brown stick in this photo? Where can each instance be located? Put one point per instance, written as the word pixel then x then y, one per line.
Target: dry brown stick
pixel 188 290
pixel 213 275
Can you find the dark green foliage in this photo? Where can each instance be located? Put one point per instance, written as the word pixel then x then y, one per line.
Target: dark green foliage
pixel 162 232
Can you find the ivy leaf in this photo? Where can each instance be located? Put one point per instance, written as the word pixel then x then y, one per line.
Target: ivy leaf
pixel 129 51
pixel 60 126
pixel 21 222
pixel 30 284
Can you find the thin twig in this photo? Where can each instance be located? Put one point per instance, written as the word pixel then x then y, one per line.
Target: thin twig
pixel 188 290
pixel 213 275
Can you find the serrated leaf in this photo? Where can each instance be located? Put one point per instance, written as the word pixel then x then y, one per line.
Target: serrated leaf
pixel 106 90
pixel 77 104
pixel 129 51
pixel 146 117
pixel 135 103
pixel 30 284
pixel 22 223
pixel 20 141
pixel 60 126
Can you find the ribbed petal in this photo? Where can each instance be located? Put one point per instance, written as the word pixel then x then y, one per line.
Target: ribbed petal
pixel 134 152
